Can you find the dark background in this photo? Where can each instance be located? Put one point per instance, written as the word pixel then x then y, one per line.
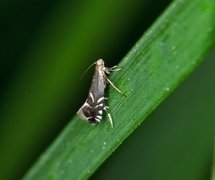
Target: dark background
pixel 47 45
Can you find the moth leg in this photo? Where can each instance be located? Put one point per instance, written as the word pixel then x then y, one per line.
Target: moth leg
pixel 115 87
pixel 106 107
pixel 114 68
pixel 109 115
pixel 108 70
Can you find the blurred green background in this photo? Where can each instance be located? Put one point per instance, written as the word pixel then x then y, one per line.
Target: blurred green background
pixel 47 45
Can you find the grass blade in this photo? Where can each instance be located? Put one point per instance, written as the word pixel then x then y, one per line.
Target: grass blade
pixel 162 58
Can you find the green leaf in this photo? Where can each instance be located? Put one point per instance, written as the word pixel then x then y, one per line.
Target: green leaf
pixel 156 65
pixel 176 140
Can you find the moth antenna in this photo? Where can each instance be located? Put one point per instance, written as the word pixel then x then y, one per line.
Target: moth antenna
pixel 87 70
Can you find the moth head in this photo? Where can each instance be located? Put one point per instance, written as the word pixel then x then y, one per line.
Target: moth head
pixel 100 63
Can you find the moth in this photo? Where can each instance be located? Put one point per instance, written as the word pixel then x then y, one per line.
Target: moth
pixel 94 107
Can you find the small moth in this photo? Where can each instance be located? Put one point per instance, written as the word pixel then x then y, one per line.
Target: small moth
pixel 94 106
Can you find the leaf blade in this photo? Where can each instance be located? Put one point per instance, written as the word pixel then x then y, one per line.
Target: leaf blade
pixel 164 62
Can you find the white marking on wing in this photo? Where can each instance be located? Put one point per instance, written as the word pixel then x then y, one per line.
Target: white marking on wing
pixel 100 105
pixel 100 112
pixel 86 104
pixel 99 117
pixel 91 95
pixel 98 120
pixel 100 99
